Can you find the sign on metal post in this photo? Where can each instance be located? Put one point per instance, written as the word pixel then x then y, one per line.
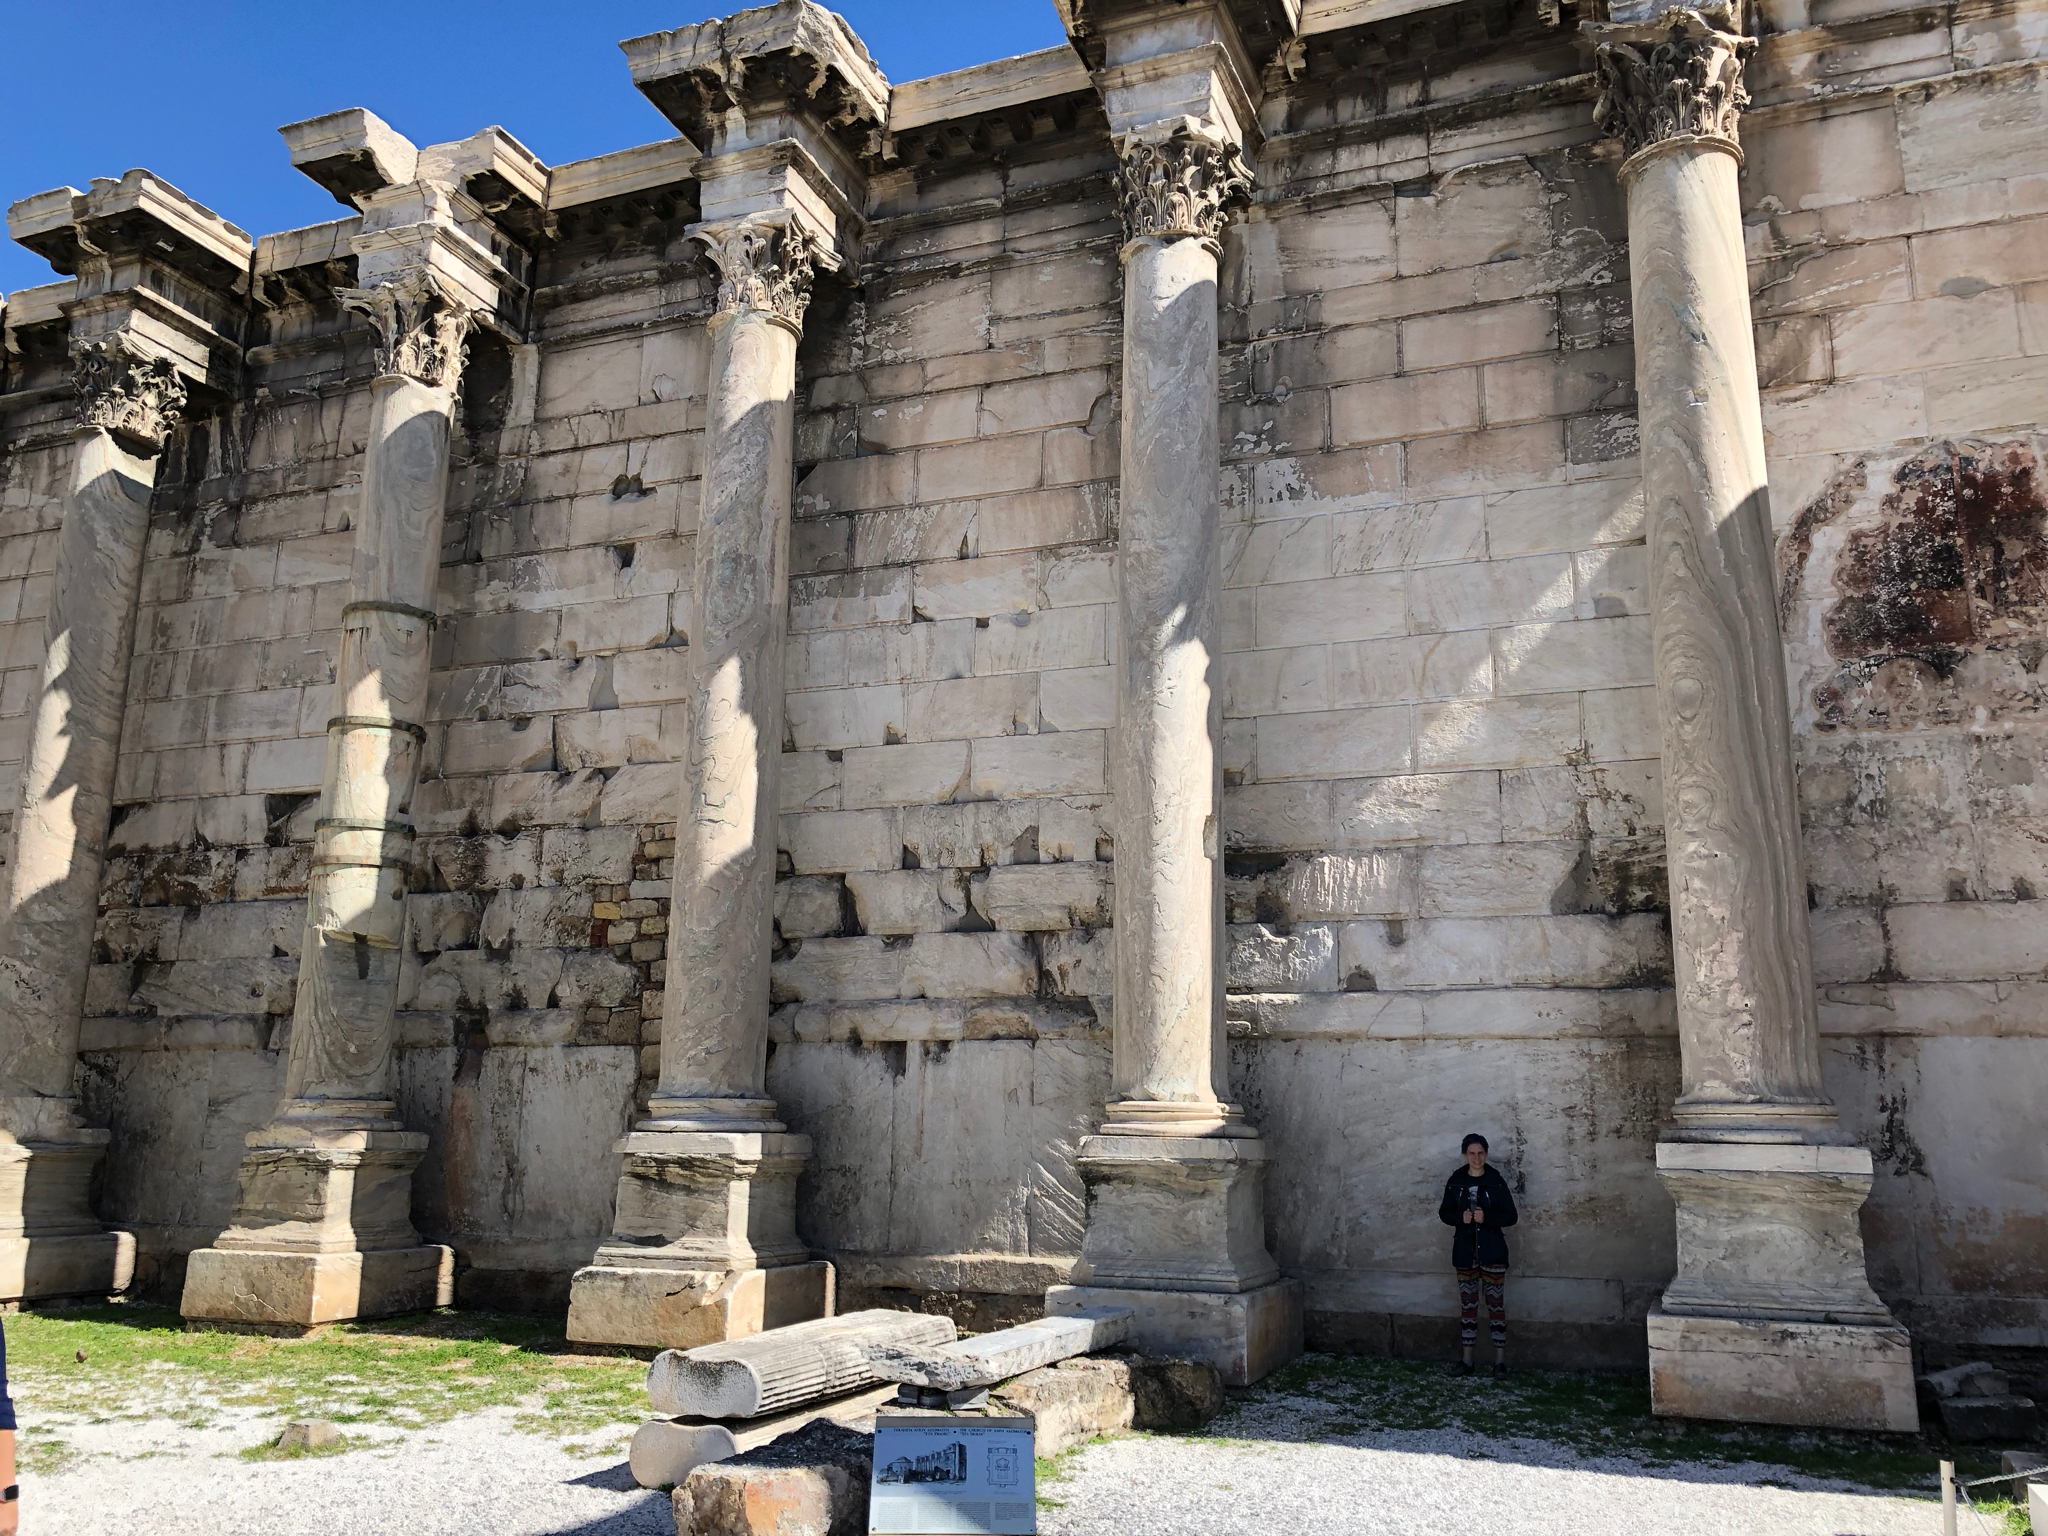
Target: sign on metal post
pixel 959 1476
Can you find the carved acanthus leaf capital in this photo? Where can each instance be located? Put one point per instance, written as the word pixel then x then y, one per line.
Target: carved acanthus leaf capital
pixel 1677 77
pixel 1180 180
pixel 424 327
pixel 764 261
pixel 132 393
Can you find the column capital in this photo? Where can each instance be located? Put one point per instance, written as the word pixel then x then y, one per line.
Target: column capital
pixel 1178 180
pixel 1671 78
pixel 424 327
pixel 132 392
pixel 765 261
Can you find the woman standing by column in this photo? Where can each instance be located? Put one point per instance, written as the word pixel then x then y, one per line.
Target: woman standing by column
pixel 1477 1205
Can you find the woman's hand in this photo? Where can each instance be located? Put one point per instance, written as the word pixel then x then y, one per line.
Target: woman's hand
pixel 1480 1217
pixel 1468 1216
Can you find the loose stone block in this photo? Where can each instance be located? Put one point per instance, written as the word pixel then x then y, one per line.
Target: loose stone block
pixel 309 1435
pixel 748 1378
pixel 811 1483
pixel 1070 1407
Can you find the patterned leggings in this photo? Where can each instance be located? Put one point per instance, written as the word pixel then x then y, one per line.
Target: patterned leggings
pixel 1493 1279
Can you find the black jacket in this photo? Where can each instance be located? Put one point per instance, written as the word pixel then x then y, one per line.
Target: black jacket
pixel 1480 1243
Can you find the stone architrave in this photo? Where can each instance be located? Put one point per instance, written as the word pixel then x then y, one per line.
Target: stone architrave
pixel 1771 1284
pixel 322 1230
pixel 1175 1177
pixel 50 1243
pixel 704 1244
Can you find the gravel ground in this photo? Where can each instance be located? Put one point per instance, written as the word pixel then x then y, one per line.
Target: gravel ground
pixel 472 1476
pixel 1381 1486
pixel 1253 1476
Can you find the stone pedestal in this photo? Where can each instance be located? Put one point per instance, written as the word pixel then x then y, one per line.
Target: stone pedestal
pixel 1826 1375
pixel 50 1243
pixel 1175 1213
pixel 1246 1335
pixel 321 1235
pixel 1176 1231
pixel 1771 1316
pixel 704 1246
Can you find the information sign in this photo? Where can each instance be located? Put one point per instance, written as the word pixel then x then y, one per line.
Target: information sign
pixel 964 1476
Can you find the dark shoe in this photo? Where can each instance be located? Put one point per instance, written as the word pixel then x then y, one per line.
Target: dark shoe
pixel 1462 1368
pixel 1500 1370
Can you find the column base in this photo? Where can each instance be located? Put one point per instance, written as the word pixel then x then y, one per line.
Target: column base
pixel 1175 1213
pixel 322 1234
pixel 84 1265
pixel 51 1245
pixel 704 1246
pixel 1768 1231
pixel 1246 1335
pixel 289 1294
pixel 681 1309
pixel 1819 1375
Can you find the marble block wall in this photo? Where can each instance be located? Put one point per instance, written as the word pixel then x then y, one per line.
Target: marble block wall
pixel 1443 825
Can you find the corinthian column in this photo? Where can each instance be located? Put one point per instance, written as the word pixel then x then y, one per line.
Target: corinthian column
pixel 50 1243
pixel 322 1230
pixel 1176 1223
pixel 704 1245
pixel 1770 1315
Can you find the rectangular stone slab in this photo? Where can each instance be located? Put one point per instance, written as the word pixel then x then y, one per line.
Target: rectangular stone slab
pixel 994 1357
pixel 784 1367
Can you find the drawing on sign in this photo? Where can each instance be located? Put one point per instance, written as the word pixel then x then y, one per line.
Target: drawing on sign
pixel 1002 1466
pixel 946 1465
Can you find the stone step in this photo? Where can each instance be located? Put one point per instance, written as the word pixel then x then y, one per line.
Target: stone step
pixel 784 1367
pixel 992 1357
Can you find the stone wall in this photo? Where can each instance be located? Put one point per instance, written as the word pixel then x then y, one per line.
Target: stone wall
pixel 1443 821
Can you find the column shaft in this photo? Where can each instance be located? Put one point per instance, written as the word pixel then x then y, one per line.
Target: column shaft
pixel 60 830
pixel 340 1063
pixel 50 1242
pixel 1748 1028
pixel 714 1037
pixel 1170 1069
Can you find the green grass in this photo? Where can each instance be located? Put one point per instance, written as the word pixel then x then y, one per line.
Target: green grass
pixel 1595 1413
pixel 409 1372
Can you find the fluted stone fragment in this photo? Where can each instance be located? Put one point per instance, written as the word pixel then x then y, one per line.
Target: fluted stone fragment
pixel 785 1367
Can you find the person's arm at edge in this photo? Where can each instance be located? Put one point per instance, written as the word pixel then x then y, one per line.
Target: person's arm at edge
pixel 10 1511
pixel 1509 1215
pixel 1449 1212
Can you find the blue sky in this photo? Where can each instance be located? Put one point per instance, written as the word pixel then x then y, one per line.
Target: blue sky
pixel 196 89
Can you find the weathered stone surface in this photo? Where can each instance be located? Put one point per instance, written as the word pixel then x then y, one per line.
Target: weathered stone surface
pixel 810 1483
pixel 748 1378
pixel 992 1357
